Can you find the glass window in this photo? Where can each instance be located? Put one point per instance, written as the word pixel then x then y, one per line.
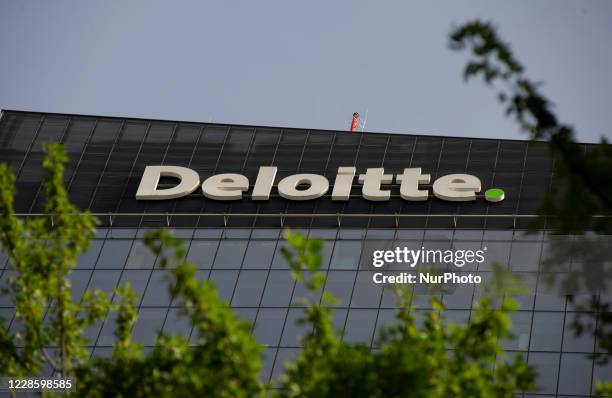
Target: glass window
pixel 259 254
pixel 249 288
pixel 546 331
pixel 267 363
pixel 230 254
pixel 121 233
pixel 339 319
pixel 602 372
pixel 6 300
pixel 301 293
pixel 360 326
pixel 210 233
pixel 389 296
pixel 492 234
pixel 525 256
pixel 458 296
pixel 326 254
pixel 114 253
pixel 438 234
pixel 496 252
pixel 237 233
pixel 224 282
pixel 527 235
pixel 247 314
pixel 140 256
pixel 294 332
pixel 468 234
pixel 157 294
pixel 279 261
pixel 387 234
pixel 138 281
pixel 104 279
pixel 386 318
pixel 549 296
pixel 414 234
pixel 148 324
pixel 176 323
pixel 182 233
pixel 107 334
pixel 278 289
pixel 547 368
pixel 283 357
pixel 351 233
pixel 527 300
pixel 346 254
pixel 340 285
pixel 269 325
pixel 202 253
pixel 422 297
pixel 6 315
pixel 101 232
pixel 265 233
pixel 321 233
pixel 521 329
pixel 583 343
pixel 102 352
pixel 553 256
pixel 79 279
pixel 88 258
pixel 575 374
pixel 366 293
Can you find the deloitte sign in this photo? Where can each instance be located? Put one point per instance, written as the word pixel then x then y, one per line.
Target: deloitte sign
pixel 229 186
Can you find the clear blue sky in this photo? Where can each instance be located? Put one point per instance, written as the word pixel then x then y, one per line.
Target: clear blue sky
pixel 302 64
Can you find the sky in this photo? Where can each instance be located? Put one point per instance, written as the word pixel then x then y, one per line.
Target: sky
pixel 307 64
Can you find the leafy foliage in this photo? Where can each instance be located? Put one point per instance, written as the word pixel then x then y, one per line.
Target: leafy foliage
pixel 411 360
pixel 223 360
pixel 581 198
pixel 42 252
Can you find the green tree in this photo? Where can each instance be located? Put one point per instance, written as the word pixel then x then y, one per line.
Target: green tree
pixel 42 252
pixel 580 199
pixel 225 361
pixel 437 359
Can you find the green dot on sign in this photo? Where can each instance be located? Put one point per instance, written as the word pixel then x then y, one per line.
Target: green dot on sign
pixel 494 195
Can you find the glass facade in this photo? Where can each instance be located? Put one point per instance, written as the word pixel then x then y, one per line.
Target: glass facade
pixel 237 244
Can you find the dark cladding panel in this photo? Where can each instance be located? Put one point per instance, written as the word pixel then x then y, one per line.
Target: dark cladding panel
pixel 455 155
pixel 108 156
pixel 209 148
pixel 427 154
pixel 50 131
pixel 19 130
pixel 288 157
pixel 399 153
pixel 483 156
pixel 263 149
pixel 78 133
pixel 235 150
pixel 511 156
pixel 181 149
pixel 317 152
